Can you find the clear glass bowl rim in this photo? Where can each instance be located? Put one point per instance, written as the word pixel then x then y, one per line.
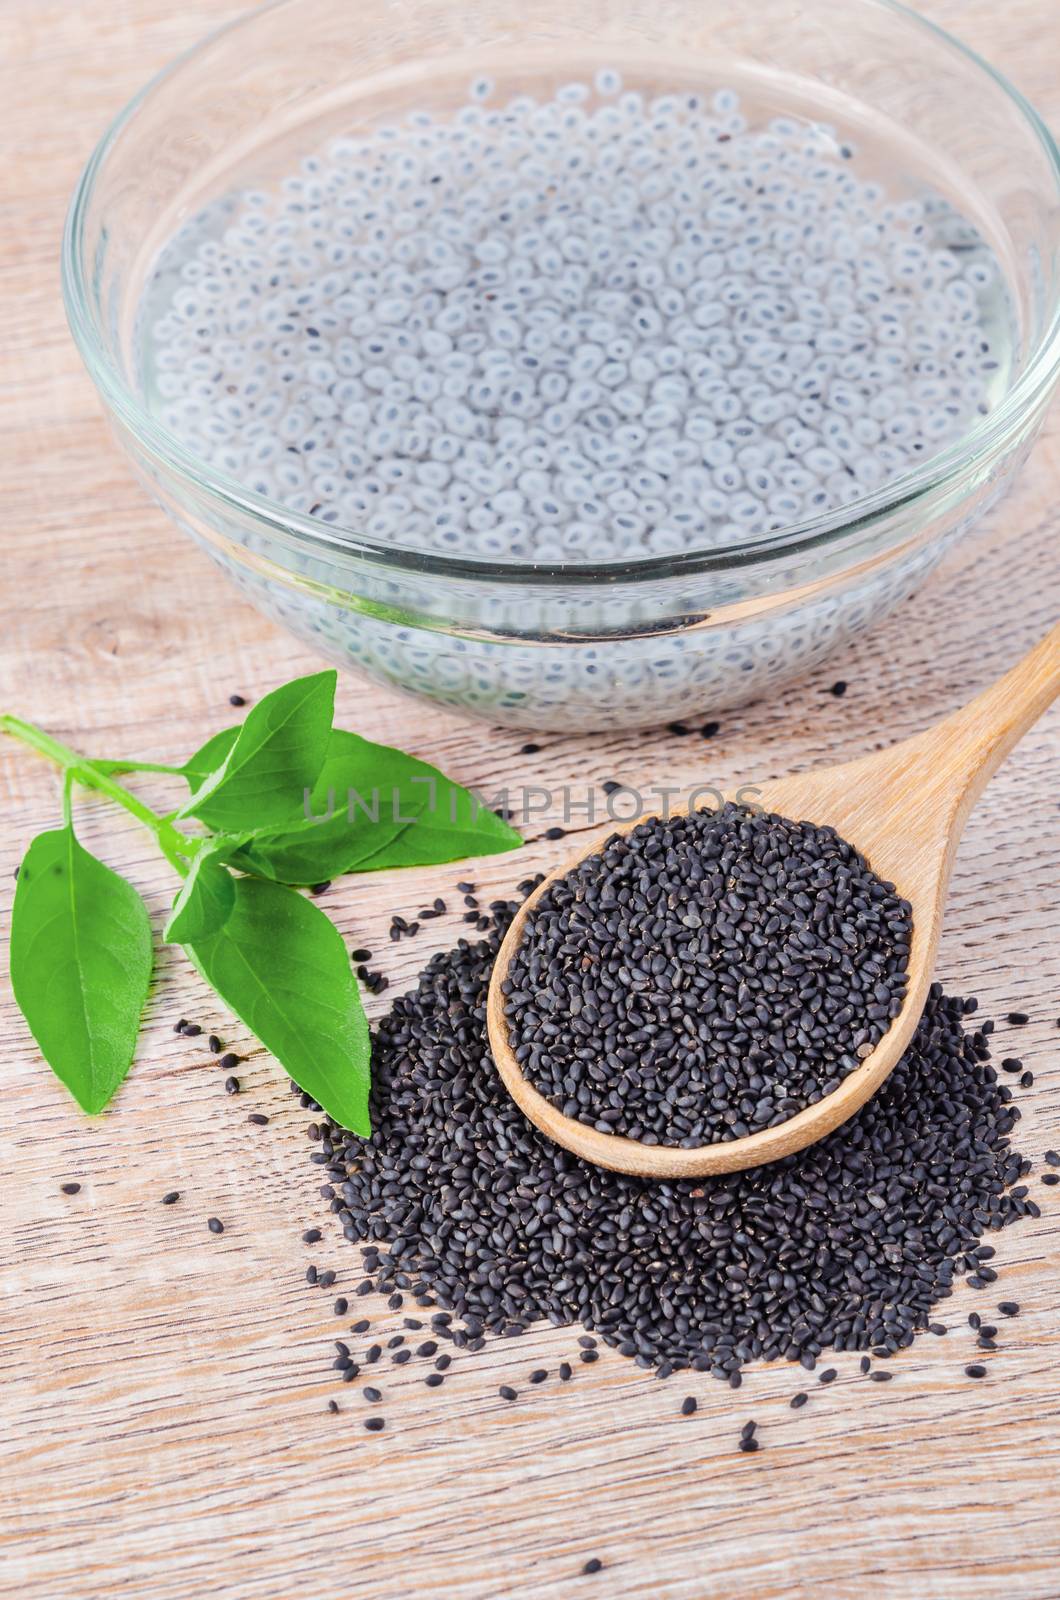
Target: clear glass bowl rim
pixel 302 534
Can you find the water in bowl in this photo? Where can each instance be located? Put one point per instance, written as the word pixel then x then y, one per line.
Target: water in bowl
pixel 572 320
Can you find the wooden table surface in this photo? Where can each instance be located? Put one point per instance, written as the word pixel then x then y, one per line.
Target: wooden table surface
pixel 163 1393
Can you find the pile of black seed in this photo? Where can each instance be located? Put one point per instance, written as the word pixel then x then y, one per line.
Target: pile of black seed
pixel 846 1245
pixel 705 977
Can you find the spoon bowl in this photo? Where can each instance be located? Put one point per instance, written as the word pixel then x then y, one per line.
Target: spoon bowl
pixel 904 809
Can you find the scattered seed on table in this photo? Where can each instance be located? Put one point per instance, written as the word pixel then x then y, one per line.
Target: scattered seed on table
pixel 231 1086
pixel 70 1188
pixel 506 1392
pixel 258 1118
pixel 191 1030
pixel 937 1328
pixel 214 1044
pixel 587 1341
pixel 838 688
pixel 612 786
pixel 689 1406
pixel 178 1027
pixel 555 833
pixel 362 1326
pixel 434 1380
pixel 373 1396
pixel 1027 1080
pixel 236 700
pixel 375 1424
pixel 594 1564
pixel 709 730
pixel 340 1307
pixel 747 1446
pixel 373 1353
pixel 1052 1157
pixel 401 1356
pixel 566 1372
pixel 1008 1308
pixel 171 1198
pixel 539 1375
pixel 326 1279
pixel 342 1363
pixel 333 1406
pixel 427 1348
pixel 828 1376
pixel 1017 1018
pixel 311 1236
pixel 360 955
pixel 310 1274
pixel 466 888
pixel 529 749
pixel 443 1363
pixel 320 888
pixel 974 1320
pixel 1051 1178
pixel 433 1072
pixel 589 1356
pixel 975 1370
pixel 865 1364
pixel 881 1377
pixel 215 1225
pixel 748 1430
pixel 798 1400
pixel 228 1061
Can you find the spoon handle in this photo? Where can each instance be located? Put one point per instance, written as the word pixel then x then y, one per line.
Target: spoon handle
pixel 958 756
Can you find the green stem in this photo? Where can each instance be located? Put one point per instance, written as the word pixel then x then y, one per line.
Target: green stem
pixel 115 768
pixel 174 845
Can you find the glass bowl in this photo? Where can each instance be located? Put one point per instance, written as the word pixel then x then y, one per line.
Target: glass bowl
pixel 603 644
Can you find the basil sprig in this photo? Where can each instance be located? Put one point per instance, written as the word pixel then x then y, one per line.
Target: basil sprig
pixel 282 801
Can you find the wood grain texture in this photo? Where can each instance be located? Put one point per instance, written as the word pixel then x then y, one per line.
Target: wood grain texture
pixel 163 1424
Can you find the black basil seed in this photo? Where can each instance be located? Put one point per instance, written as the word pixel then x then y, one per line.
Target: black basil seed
pixel 171 1198
pixel 706 977
pixel 457 1195
pixel 975 1370
pixel 215 1225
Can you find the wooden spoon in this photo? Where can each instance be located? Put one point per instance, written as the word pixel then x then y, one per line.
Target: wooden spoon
pixel 904 809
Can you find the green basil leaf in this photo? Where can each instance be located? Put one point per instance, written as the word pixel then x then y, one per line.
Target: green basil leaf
pixel 206 761
pixel 382 809
pixel 281 965
pixel 80 964
pixel 276 757
pixel 205 901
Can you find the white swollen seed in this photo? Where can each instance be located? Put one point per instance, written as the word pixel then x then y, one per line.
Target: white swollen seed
pixel 602 322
